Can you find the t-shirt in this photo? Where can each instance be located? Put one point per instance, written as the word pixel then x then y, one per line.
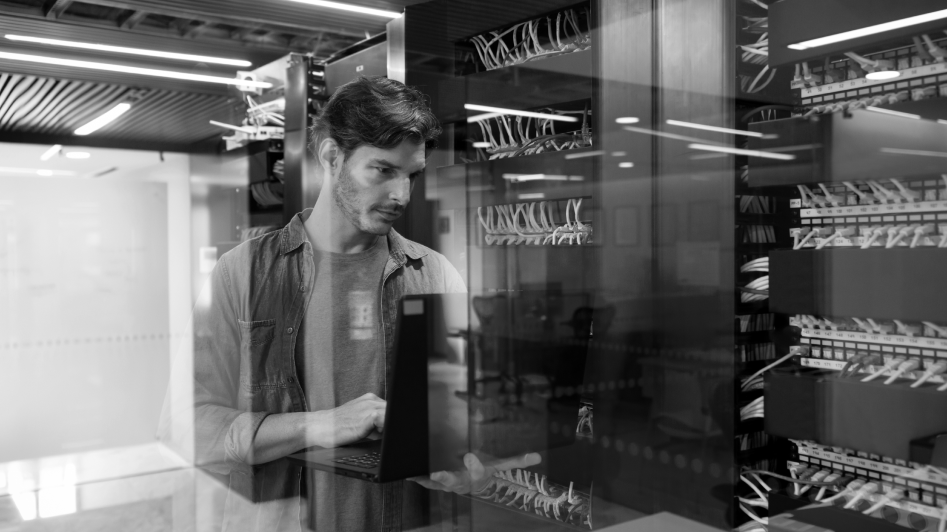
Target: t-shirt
pixel 340 355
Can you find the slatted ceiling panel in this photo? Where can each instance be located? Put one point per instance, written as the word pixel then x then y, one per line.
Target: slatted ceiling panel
pixel 60 92
pixel 55 107
pixel 75 99
pixel 282 12
pixel 177 117
pixel 53 89
pixel 111 96
pixel 38 92
pixel 147 111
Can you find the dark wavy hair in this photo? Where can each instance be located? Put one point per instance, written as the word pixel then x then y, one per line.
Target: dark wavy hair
pixel 375 111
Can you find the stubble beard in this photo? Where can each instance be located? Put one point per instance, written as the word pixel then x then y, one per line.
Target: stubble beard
pixel 346 199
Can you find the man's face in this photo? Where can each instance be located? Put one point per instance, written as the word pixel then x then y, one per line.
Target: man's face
pixel 374 186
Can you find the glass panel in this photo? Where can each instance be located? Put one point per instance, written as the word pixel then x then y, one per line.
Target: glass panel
pixel 605 265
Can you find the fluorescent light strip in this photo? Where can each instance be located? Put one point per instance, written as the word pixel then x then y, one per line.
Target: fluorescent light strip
pixel 132 51
pixel 593 153
pixel 482 145
pixel 48 154
pixel 350 7
pixel 514 112
pixel 665 135
pixel 922 153
pixel 519 178
pixel 535 195
pixel 870 30
pixel 714 128
pixel 893 113
pixel 133 70
pixel 107 118
pixel 626 120
pixel 738 151
pixel 35 171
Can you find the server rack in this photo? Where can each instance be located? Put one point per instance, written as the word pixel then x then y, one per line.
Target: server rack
pixel 845 146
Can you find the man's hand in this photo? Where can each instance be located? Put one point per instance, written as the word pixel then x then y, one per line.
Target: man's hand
pixel 477 474
pixel 348 423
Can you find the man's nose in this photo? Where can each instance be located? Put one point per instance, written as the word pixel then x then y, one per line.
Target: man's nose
pixel 401 190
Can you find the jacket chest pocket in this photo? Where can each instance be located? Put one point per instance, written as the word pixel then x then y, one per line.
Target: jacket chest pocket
pixel 259 355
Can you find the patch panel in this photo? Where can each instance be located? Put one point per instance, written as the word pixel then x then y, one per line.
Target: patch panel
pixel 907 511
pixel 872 214
pixel 850 81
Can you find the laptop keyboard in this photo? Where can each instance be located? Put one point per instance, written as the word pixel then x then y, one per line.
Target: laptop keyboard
pixel 366 461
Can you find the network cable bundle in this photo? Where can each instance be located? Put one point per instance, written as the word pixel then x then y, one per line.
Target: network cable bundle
pixel 854 402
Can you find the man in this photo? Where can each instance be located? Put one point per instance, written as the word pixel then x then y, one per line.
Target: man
pixel 295 346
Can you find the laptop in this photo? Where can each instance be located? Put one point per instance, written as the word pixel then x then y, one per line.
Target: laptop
pixel 404 449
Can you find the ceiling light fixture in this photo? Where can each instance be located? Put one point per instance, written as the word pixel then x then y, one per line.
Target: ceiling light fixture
pixel 738 151
pixel 78 155
pixel 133 70
pixel 350 7
pixel 714 128
pixel 514 112
pixel 35 171
pixel 626 120
pixel 893 113
pixel 482 145
pixel 107 118
pixel 132 51
pixel 48 154
pixel 870 30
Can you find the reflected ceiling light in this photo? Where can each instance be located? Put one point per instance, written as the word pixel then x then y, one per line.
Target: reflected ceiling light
pixel 922 153
pixel 626 164
pixel 715 128
pixel 626 120
pixel 533 195
pixel 883 74
pixel 132 51
pixel 48 154
pixel 501 111
pixel 738 151
pixel 133 70
pixel 870 30
pixel 482 145
pixel 580 155
pixel 666 135
pixel 107 118
pixel 78 155
pixel 893 113
pixel 350 7
pixel 35 171
pixel 519 178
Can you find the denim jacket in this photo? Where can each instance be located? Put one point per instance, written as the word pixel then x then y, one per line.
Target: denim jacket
pixel 244 342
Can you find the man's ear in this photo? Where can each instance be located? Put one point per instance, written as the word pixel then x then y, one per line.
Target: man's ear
pixel 330 156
